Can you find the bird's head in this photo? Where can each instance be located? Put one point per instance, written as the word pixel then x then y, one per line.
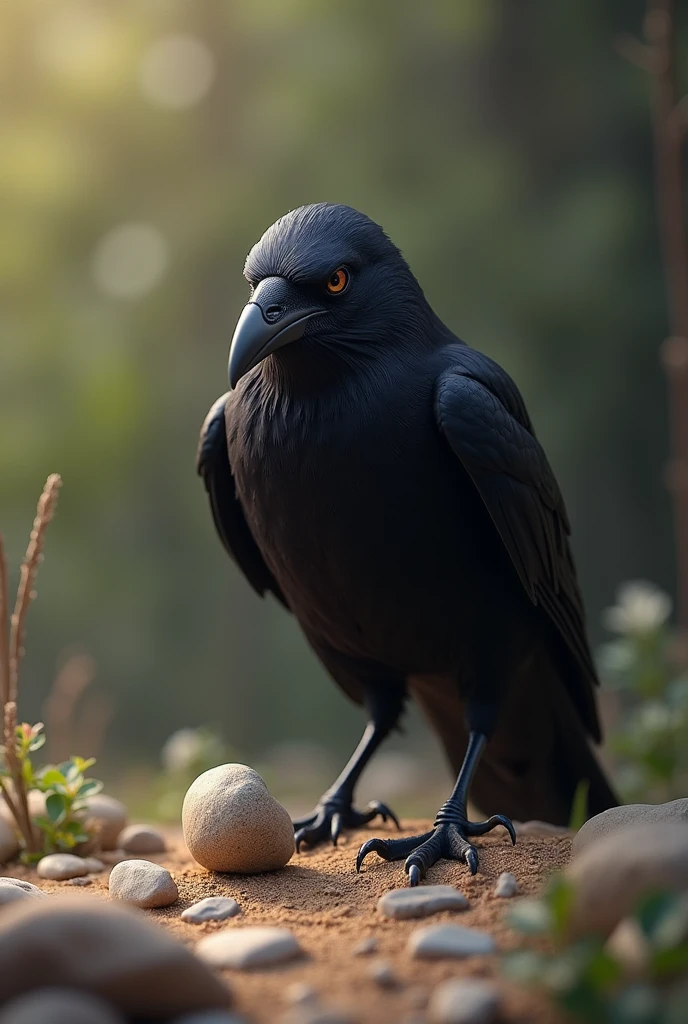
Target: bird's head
pixel 330 276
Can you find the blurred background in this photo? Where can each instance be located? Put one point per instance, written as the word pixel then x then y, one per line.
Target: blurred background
pixel 144 147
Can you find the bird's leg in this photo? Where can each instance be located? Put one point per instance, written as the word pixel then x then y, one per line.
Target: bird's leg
pixel 451 832
pixel 335 810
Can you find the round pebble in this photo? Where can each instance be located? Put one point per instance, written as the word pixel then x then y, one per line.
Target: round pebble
pixel 383 975
pixel 12 890
pixel 464 1001
pixel 611 874
pixel 212 908
pixel 365 947
pixel 109 817
pixel 9 844
pixel 231 823
pixel 93 865
pixel 248 947
pixel 59 1006
pixel 141 839
pixel 448 940
pixel 421 901
pixel 142 883
pixel 506 886
pixel 60 866
pixel 616 818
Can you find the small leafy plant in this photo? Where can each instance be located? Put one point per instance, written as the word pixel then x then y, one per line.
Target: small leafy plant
pixel 650 739
pixel 587 978
pixel 66 788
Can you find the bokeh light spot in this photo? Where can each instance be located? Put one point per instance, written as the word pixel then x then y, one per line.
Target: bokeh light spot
pixel 177 71
pixel 130 260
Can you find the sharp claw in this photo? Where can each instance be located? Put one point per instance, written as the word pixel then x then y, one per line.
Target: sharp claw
pixel 299 838
pixel 414 875
pixel 363 852
pixel 471 859
pixel 336 828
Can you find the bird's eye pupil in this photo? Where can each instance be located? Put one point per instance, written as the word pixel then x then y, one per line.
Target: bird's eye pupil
pixel 338 281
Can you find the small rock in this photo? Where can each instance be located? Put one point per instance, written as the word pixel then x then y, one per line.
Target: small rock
pixel 539 828
pixel 611 874
pixel 109 817
pixel 449 940
pixel 231 823
pixel 93 865
pixel 299 993
pixel 12 890
pixel 59 1006
pixel 382 974
pixel 107 950
pixel 421 901
pixel 365 947
pixel 82 880
pixel 9 844
pixel 616 818
pixel 141 839
pixel 212 908
pixel 61 866
pixel 464 1001
pixel 506 886
pixel 255 946
pixel 142 883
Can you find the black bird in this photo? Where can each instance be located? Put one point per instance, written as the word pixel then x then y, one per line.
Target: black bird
pixel 383 481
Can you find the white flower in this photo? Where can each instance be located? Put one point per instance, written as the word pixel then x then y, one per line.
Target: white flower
pixel 640 608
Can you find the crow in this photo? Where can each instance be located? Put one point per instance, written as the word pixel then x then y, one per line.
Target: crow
pixel 384 482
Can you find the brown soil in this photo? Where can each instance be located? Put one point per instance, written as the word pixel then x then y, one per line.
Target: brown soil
pixel 330 909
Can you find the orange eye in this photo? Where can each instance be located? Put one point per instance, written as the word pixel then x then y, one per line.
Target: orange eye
pixel 338 281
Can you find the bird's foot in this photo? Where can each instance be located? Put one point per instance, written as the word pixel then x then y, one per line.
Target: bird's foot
pixel 449 839
pixel 332 815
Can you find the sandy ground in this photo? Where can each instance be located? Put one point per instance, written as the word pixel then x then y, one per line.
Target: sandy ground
pixel 330 909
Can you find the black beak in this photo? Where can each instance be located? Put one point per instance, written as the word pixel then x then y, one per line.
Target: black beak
pixel 274 317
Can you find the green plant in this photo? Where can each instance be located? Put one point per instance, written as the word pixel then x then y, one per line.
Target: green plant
pixel 65 786
pixel 650 738
pixel 586 977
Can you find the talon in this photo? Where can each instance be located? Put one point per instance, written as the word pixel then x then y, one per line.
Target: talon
pixel 336 828
pixel 471 858
pixel 414 875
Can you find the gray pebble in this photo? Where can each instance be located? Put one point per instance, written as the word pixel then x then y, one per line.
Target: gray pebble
pixel 141 839
pixel 142 883
pixel 93 865
pixel 464 1001
pixel 382 974
pixel 421 901
pixel 14 889
pixel 616 818
pixel 81 881
pixel 449 940
pixel 60 866
pixel 59 1006
pixel 212 908
pixel 253 946
pixel 365 947
pixel 506 886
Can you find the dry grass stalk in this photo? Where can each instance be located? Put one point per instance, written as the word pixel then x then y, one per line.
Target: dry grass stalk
pixel 11 651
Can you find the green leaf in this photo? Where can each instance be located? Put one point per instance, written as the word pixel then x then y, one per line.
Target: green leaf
pixel 89 787
pixel 579 806
pixel 52 777
pixel 530 916
pixel 560 896
pixel 673 960
pixel 37 743
pixel 55 805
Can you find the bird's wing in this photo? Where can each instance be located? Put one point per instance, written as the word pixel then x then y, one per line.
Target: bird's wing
pixel 212 463
pixel 483 417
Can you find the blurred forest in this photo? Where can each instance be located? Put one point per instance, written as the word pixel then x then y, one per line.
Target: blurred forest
pixel 145 145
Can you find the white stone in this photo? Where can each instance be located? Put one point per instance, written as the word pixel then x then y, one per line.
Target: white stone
pixel 212 908
pixel 59 1006
pixel 142 883
pixel 60 866
pixel 231 823
pixel 464 1001
pixel 506 886
pixel 616 818
pixel 449 940
pixel 107 950
pixel 612 873
pixel 421 901
pixel 108 816
pixel 141 839
pixel 9 844
pixel 14 889
pixel 255 946
pixel 93 865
